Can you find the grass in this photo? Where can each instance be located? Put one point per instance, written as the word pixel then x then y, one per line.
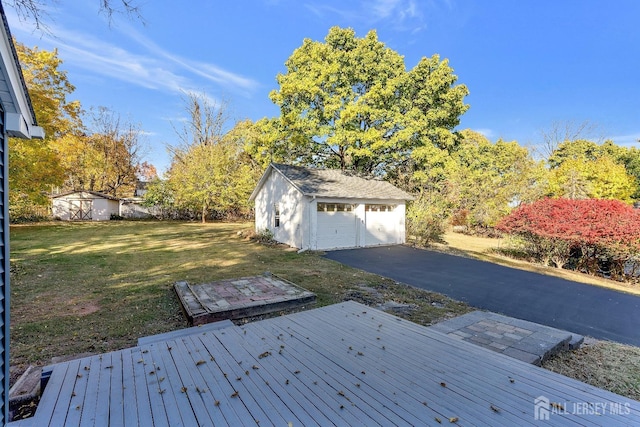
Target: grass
pixel 614 367
pixel 96 287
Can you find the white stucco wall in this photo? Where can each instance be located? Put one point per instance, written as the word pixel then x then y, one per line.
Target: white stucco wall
pixel 101 208
pixel 293 230
pixel 132 208
pixel 60 208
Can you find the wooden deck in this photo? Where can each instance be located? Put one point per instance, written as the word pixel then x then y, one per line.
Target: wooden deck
pixel 345 364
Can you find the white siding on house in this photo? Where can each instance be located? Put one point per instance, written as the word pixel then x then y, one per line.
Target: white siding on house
pixel 292 230
pixel 104 208
pixel 61 208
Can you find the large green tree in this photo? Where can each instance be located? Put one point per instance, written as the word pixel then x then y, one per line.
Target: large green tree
pixel 601 178
pixel 488 179
pixel 34 165
pixel 350 103
pixel 111 161
pixel 585 169
pixel 210 173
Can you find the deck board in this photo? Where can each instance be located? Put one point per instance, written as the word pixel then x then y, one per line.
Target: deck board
pixel 146 415
pixel 375 357
pixel 223 411
pixel 258 408
pixel 386 391
pixel 57 380
pixel 319 367
pixel 77 395
pixel 282 380
pixel 103 401
pixel 158 394
pixel 185 380
pixel 115 414
pixel 130 411
pixel 331 381
pixel 162 414
pixel 402 378
pixel 489 368
pixel 467 354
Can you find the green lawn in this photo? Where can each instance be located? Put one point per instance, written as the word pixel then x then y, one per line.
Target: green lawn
pixel 96 287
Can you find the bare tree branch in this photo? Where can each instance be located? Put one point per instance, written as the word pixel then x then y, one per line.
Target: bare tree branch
pixel 35 10
pixel 567 130
pixel 126 7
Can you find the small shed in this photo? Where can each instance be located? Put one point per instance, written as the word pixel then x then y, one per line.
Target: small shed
pixel 84 206
pixel 318 209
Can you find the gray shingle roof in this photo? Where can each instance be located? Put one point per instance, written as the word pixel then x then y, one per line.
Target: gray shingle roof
pixel 335 183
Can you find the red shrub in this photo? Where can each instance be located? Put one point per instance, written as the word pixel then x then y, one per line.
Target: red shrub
pixel 581 222
pixel 600 231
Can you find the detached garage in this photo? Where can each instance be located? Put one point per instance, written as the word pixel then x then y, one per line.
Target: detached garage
pixel 320 209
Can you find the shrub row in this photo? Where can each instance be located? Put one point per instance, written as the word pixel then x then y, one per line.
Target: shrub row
pixel 594 236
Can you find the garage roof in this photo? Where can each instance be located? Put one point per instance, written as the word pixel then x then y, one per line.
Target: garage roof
pixel 333 183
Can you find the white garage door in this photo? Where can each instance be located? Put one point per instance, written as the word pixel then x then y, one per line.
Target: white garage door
pixel 380 225
pixel 336 226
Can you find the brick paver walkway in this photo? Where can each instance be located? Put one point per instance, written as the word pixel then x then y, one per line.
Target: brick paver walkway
pixel 523 340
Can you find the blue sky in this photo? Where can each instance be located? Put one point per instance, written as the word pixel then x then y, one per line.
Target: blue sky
pixel 526 63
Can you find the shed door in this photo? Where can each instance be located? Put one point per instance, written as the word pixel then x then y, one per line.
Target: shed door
pixel 80 210
pixel 336 226
pixel 380 225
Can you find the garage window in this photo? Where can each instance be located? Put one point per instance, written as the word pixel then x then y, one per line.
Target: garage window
pixel 379 208
pixel 276 214
pixel 335 207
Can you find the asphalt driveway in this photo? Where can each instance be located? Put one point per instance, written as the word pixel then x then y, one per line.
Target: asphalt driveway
pixel 575 307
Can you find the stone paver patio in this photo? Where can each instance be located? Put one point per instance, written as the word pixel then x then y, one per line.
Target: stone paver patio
pixel 240 298
pixel 523 340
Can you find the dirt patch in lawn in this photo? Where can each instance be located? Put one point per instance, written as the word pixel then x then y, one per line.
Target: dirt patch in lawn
pixel 48 303
pixel 77 307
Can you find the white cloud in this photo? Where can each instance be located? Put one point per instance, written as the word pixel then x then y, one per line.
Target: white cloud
pixel 630 139
pixel 322 10
pixel 154 68
pixel 402 15
pixel 208 71
pixel 399 10
pixel 486 132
